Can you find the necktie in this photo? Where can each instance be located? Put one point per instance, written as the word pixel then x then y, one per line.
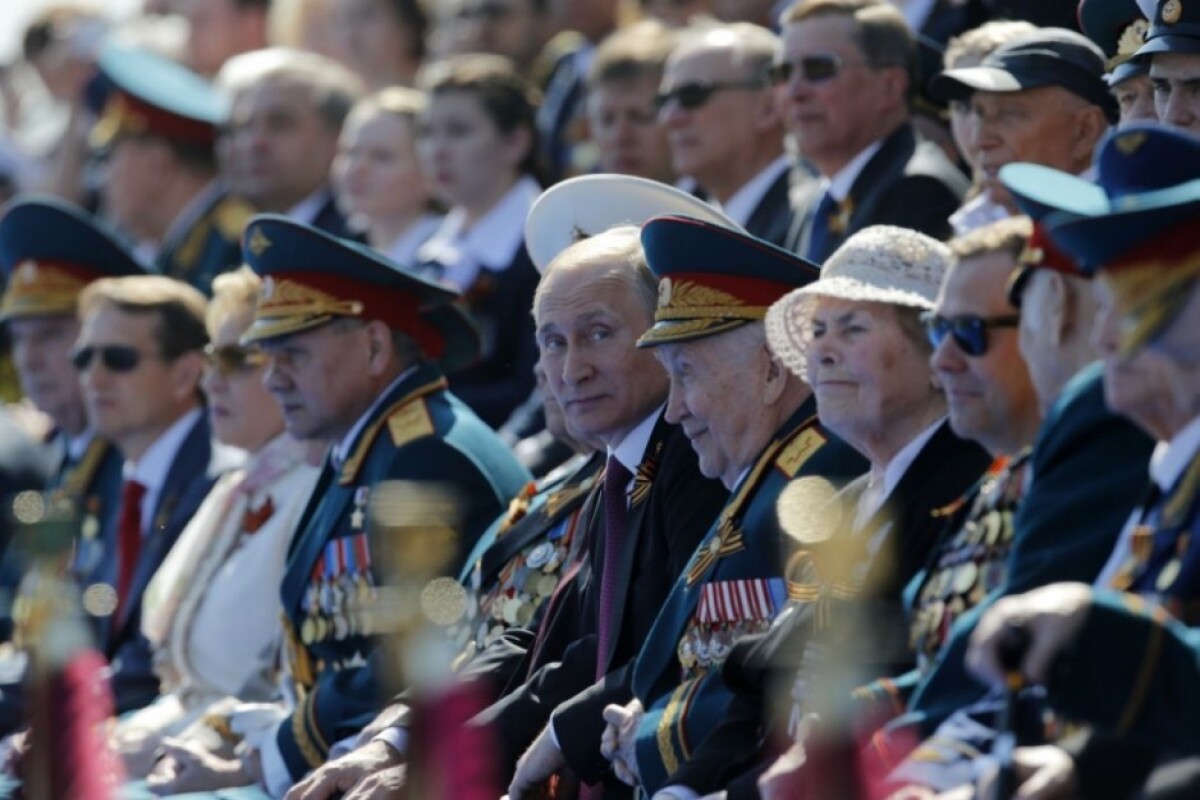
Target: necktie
pixel 616 513
pixel 129 543
pixel 818 237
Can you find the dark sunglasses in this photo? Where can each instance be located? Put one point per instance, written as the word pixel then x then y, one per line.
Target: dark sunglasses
pixel 231 358
pixel 691 96
pixel 969 331
pixel 816 68
pixel 114 357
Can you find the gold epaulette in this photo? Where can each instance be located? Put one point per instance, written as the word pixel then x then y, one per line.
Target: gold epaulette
pixel 807 440
pixel 407 420
pixel 80 476
pixel 231 215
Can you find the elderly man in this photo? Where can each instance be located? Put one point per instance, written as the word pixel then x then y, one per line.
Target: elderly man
pixel 1148 282
pixel 1173 50
pixel 287 114
pixel 722 125
pixel 753 425
pixel 158 134
pixel 1040 98
pixel 848 77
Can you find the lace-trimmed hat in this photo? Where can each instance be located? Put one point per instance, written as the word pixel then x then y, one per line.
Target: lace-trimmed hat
pixel 880 264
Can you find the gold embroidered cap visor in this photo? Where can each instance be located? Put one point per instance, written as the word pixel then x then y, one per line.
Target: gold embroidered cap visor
pixel 713 279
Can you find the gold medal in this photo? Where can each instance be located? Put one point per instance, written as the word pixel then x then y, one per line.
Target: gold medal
pixel 308 630
pixel 965 576
pixel 1168 575
pixel 525 614
pixel 90 528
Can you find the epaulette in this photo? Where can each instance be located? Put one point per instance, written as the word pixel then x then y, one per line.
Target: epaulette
pixel 407 420
pixel 231 215
pixel 80 476
pixel 793 456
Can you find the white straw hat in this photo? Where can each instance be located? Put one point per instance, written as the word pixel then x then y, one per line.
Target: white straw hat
pixel 880 264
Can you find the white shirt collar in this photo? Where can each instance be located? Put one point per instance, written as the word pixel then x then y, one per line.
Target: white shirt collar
pixel 746 199
pixel 492 241
pixel 342 451
pixel 632 449
pixel 1170 459
pixel 840 184
pixel 307 209
pixel 877 494
pixel 403 249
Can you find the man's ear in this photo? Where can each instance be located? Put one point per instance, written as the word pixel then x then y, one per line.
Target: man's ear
pixel 380 347
pixel 775 377
pixel 185 372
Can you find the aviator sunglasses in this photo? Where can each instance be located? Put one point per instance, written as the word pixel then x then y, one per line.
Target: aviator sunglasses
pixel 969 331
pixel 815 68
pixel 114 357
pixel 691 96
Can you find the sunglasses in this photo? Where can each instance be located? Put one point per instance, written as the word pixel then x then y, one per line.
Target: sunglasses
pixel 816 68
pixel 231 359
pixel 691 96
pixel 969 331
pixel 114 357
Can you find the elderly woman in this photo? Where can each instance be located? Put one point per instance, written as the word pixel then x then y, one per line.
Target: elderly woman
pixel 856 337
pixel 212 610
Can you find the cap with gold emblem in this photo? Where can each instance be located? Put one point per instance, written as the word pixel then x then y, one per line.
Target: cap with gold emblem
pixel 713 279
pixel 1175 28
pixel 1119 28
pixel 311 278
pixel 51 250
pixel 1137 223
pixel 149 95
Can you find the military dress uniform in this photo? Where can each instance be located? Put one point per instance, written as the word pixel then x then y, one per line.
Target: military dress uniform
pixel 149 95
pixel 416 431
pixel 50 251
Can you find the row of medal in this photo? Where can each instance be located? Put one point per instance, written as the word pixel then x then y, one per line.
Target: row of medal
pixel 970 565
pixel 725 612
pixel 340 588
pixel 524 583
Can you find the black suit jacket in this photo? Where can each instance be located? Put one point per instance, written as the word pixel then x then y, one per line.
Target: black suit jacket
pixel 758 667
pixel 331 220
pixel 499 304
pixel 772 217
pixel 908 182
pixel 664 529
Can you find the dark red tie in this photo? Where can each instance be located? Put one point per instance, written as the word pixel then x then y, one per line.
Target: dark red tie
pixel 129 544
pixel 616 514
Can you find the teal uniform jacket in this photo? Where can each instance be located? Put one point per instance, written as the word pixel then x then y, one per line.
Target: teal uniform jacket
pixel 420 432
pixel 1089 468
pixel 732 585
pixel 210 245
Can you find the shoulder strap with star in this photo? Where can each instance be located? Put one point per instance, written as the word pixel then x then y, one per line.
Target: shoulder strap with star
pixel 407 420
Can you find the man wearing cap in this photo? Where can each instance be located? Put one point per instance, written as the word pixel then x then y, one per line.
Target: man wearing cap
pixel 157 134
pixel 1041 99
pixel 1172 49
pixel 1120 27
pixel 722 125
pixel 356 349
pixel 848 76
pixel 753 425
pixel 1147 321
pixel 50 251
pixel 286 115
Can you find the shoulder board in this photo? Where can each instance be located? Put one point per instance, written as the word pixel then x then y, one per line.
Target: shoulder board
pixel 231 216
pixel 81 475
pixel 409 421
pixel 794 455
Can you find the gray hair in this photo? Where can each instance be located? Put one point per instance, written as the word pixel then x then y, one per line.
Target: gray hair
pixel 619 248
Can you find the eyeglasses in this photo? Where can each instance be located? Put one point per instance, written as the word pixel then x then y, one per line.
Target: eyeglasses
pixel 691 96
pixel 815 68
pixel 231 359
pixel 114 357
pixel 969 331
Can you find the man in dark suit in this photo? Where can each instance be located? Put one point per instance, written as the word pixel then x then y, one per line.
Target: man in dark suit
pixel 50 251
pixel 140 357
pixel 723 127
pixel 287 113
pixel 595 299
pixel 356 349
pixel 848 107
pixel 158 131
